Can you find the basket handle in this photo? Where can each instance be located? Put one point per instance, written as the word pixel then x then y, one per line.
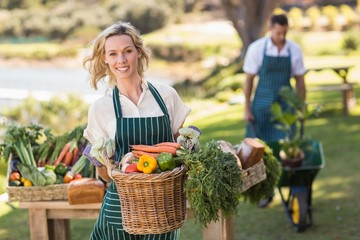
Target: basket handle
pixel 109 167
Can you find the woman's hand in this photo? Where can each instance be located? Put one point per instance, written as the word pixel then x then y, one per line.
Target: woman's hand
pixel 102 171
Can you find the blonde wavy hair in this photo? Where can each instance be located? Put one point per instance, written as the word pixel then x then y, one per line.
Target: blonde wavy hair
pixel 95 64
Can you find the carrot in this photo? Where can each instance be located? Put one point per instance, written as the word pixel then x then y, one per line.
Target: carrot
pixel 168 144
pixel 138 154
pixel 75 155
pixel 62 153
pixel 154 149
pixel 68 157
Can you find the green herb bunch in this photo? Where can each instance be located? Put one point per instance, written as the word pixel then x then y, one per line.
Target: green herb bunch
pixel 213 183
pixel 265 188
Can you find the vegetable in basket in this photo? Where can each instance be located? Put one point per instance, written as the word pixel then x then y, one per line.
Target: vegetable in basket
pixel 131 168
pixel 189 138
pixel 15 176
pixel 33 174
pixel 150 150
pixel 19 141
pixel 103 149
pixel 50 176
pixel 166 161
pixel 13 164
pixel 147 164
pixel 61 169
pixel 93 160
pixel 189 141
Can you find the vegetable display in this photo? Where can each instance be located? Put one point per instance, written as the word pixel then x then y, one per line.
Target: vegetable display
pixel 35 151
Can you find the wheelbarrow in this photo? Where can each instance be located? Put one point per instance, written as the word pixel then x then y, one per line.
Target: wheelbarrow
pixel 298 201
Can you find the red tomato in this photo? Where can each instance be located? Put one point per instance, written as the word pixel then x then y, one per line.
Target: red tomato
pixel 15 176
pixel 132 168
pixel 77 176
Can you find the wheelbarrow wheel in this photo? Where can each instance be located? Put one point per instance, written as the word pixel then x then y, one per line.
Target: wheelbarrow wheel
pixel 298 208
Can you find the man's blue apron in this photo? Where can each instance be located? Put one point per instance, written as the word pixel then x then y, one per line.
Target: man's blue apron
pixel 275 73
pixel 130 131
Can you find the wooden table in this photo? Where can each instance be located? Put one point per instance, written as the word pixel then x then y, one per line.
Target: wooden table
pixel 348 96
pixel 50 220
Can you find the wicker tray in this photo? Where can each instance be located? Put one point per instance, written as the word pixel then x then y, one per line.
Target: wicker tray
pixel 253 175
pixel 151 203
pixel 35 193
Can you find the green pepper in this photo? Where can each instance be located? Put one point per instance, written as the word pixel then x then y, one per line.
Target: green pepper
pixel 61 169
pixel 166 161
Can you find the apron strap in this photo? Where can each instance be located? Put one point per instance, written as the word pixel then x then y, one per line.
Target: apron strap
pixel 290 58
pixel 158 99
pixel 116 101
pixel 266 42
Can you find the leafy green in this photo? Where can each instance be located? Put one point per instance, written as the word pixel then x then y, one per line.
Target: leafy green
pixel 49 175
pixel 19 140
pixel 294 115
pixel 33 174
pixel 265 188
pixel 44 149
pixel 213 183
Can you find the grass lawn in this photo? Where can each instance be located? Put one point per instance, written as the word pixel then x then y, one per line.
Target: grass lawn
pixel 335 190
pixel 336 208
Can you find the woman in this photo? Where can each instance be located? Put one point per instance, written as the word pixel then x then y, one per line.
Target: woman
pixel 133 111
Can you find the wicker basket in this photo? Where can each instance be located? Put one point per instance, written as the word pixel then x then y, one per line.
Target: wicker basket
pixel 151 203
pixel 253 175
pixel 35 193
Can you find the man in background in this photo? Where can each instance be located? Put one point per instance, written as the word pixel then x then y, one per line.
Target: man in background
pixel 275 60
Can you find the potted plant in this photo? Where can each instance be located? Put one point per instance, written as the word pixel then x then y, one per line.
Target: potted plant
pixel 288 120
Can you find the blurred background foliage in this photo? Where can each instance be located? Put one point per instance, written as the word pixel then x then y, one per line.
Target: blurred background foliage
pixel 80 20
pixel 202 60
pixel 61 114
pixel 73 24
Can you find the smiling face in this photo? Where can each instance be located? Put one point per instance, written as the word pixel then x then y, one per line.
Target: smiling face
pixel 278 34
pixel 121 56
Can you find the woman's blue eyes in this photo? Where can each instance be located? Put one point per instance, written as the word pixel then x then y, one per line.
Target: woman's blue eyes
pixel 126 52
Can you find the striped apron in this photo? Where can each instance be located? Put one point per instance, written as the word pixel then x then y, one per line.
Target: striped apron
pixel 129 131
pixel 275 73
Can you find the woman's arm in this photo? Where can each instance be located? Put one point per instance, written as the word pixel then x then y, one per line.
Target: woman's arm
pixel 102 171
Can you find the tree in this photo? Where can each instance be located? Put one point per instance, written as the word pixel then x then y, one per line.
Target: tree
pixel 249 18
